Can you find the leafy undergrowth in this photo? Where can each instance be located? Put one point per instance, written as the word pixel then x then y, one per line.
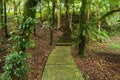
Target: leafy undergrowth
pixel 103 61
pixel 39 53
pixel 3 51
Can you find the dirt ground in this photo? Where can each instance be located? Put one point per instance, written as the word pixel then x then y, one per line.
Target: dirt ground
pixel 41 52
pixel 102 63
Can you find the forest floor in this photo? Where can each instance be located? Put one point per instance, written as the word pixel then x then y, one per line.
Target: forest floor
pixel 41 52
pixel 103 61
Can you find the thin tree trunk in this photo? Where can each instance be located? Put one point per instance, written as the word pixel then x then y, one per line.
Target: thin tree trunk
pixel 53 12
pixel 73 7
pixel 19 7
pixel 1 12
pixel 53 22
pixel 67 16
pixel 15 8
pixel 49 15
pixel 88 11
pixel 99 22
pixel 67 8
pixel 60 9
pixel 51 37
pixel 48 8
pixel 70 22
pixel 58 3
pixel 5 20
pixel 40 9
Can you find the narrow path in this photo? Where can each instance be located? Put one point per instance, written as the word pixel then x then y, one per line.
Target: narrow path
pixel 61 65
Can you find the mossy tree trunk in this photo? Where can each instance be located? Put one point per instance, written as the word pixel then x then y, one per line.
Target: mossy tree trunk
pixel 82 29
pixel 30 11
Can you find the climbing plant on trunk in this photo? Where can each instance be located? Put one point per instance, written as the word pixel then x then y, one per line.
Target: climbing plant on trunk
pixel 30 11
pixel 16 61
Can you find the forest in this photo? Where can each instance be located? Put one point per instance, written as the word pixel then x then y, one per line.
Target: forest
pixel 59 39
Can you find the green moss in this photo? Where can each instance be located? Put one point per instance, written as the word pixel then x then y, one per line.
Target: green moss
pixel 61 65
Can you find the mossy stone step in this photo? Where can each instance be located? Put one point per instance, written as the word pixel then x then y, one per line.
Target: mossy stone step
pixel 65 38
pixel 63 44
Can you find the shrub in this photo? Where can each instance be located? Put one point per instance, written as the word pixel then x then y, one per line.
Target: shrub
pixel 15 63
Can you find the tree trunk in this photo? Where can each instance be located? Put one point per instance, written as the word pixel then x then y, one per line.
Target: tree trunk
pixel 30 11
pixel 58 3
pixel 15 8
pixel 70 22
pixel 1 13
pixel 48 7
pixel 73 7
pixel 88 10
pixel 82 28
pixel 67 16
pixel 99 22
pixel 40 9
pixel 5 20
pixel 53 22
pixel 67 8
pixel 53 12
pixel 19 7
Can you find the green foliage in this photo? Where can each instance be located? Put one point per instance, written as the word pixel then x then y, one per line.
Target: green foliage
pixel 15 64
pixel 113 20
pixel 95 35
pixel 75 36
pixel 109 13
